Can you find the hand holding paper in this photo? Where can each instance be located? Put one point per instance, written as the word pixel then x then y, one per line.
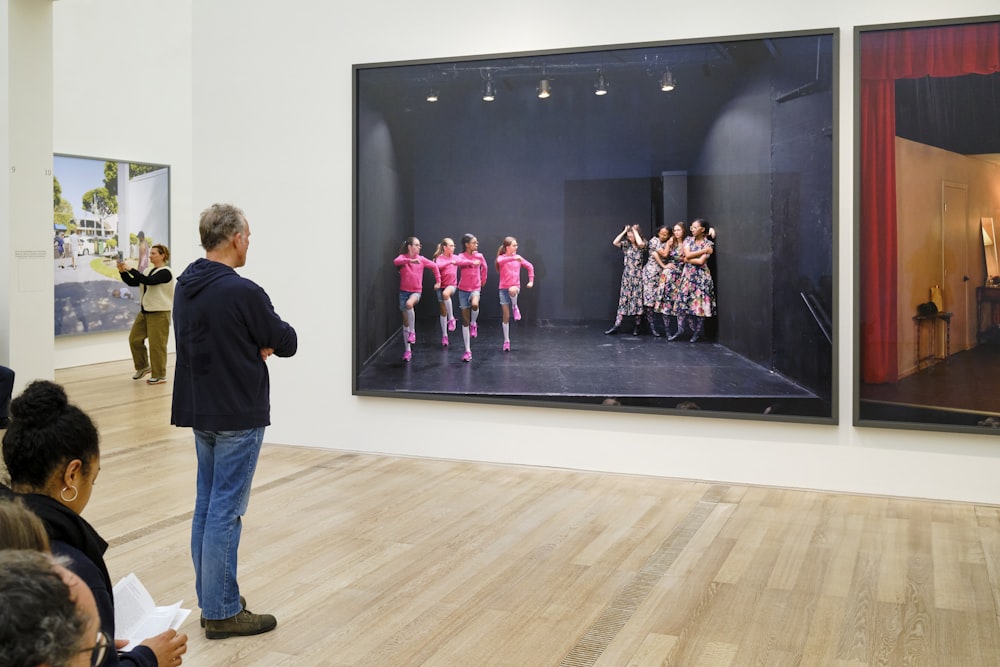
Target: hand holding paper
pixel 137 617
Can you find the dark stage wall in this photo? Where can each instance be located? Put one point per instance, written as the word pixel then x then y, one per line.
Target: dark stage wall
pixel 385 219
pixel 564 175
pixel 774 220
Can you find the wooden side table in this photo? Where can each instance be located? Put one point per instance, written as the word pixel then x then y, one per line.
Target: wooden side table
pixel 932 357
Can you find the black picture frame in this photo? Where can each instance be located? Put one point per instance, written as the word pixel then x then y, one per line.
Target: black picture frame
pixel 923 186
pixel 746 139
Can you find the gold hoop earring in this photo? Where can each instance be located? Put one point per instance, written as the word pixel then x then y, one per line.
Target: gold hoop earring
pixel 62 494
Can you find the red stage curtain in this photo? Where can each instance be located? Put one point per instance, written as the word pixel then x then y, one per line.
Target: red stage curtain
pixel 887 56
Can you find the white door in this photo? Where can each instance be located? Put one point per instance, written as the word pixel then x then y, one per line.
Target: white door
pixel 957 288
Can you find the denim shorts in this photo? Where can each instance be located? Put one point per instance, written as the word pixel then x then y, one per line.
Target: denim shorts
pixel 404 297
pixel 465 298
pixel 440 293
pixel 505 297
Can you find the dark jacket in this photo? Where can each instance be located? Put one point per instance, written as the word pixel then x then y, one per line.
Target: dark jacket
pixel 71 536
pixel 221 322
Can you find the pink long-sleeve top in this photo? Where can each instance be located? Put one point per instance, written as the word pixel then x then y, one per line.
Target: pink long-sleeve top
pixel 510 270
pixel 470 280
pixel 411 275
pixel 449 269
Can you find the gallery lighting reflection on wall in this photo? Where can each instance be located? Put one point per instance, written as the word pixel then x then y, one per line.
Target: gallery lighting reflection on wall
pixel 544 89
pixel 667 82
pixel 489 89
pixel 601 85
pixel 432 95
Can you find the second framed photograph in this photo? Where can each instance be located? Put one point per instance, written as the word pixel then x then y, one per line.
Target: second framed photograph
pixel 928 198
pixel 645 227
pixel 105 212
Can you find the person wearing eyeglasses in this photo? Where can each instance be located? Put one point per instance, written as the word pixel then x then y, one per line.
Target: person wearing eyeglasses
pixel 48 617
pixel 51 450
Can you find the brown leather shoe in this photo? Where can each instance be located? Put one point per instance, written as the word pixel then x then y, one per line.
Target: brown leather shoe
pixel 243 605
pixel 242 624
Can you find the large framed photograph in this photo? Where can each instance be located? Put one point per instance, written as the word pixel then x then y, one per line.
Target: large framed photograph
pixel 655 224
pixel 927 201
pixel 104 211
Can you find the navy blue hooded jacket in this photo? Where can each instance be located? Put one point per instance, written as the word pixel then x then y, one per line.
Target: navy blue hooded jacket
pixel 221 322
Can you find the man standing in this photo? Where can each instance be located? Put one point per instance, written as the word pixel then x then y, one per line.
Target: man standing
pixel 226 328
pixel 74 246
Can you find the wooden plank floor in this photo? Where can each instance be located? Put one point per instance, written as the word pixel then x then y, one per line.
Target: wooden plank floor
pixel 377 560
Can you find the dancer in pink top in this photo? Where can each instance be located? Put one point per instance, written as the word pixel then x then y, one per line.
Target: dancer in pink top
pixel 411 266
pixel 509 265
pixel 471 280
pixel 447 262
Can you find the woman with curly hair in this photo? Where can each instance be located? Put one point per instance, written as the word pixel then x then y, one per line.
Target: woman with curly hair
pixel 53 458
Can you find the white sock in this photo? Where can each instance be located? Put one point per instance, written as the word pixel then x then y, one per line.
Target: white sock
pixel 408 319
pixel 444 325
pixel 513 301
pixel 475 315
pixel 466 338
pixel 506 332
pixel 448 307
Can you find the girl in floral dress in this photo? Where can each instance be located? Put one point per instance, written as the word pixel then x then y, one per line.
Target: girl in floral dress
pixel 651 285
pixel 672 255
pixel 696 292
pixel 630 296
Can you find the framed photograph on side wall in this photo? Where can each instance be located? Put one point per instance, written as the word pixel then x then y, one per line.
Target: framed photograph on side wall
pixel 104 211
pixel 927 193
pixel 655 223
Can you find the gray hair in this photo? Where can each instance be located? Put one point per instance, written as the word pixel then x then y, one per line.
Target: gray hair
pixel 218 223
pixel 39 621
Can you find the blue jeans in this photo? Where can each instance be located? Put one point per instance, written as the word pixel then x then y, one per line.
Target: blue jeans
pixel 226 464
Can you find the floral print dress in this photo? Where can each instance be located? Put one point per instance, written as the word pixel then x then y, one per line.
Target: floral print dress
pixel 651 275
pixel 696 293
pixel 670 282
pixel 630 297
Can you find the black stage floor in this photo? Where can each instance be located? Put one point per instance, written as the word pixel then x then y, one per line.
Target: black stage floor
pixel 960 390
pixel 577 363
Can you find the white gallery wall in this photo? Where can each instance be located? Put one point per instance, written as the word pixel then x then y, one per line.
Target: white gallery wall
pixel 250 102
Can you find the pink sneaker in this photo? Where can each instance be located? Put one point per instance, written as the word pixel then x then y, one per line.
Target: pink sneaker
pixel 451 324
pixel 411 337
pixel 467 356
pixel 473 329
pixel 444 341
pixel 506 346
pixel 517 313
pixel 407 355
